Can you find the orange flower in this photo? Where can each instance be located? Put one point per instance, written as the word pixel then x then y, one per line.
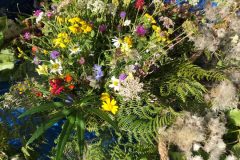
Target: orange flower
pixel 39 94
pixel 34 49
pixel 68 78
pixel 71 87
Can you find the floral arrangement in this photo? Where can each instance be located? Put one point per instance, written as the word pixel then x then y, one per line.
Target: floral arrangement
pixel 151 80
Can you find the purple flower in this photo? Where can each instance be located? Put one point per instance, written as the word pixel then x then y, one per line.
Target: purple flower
pixel 27 36
pixel 54 54
pixel 123 14
pixel 37 12
pixel 36 60
pixel 122 76
pixel 98 73
pixel 102 28
pixel 140 30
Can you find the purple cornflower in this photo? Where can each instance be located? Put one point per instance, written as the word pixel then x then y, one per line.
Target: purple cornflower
pixel 37 12
pixel 122 76
pixel 123 14
pixel 98 73
pixel 102 28
pixel 54 54
pixel 27 36
pixel 140 30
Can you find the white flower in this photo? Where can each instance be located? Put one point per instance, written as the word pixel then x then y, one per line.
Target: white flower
pixel 196 158
pixel 56 66
pixel 116 42
pixel 115 84
pixel 235 39
pixel 196 146
pixel 231 157
pixel 127 22
pixel 75 50
pixel 39 18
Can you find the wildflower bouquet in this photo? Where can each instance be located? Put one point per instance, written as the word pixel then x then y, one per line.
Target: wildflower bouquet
pixel 128 66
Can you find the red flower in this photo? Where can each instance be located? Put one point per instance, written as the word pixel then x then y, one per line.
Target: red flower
pixel 39 94
pixel 56 86
pixel 139 4
pixel 71 87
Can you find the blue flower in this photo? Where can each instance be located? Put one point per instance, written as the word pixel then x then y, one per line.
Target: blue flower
pixel 98 73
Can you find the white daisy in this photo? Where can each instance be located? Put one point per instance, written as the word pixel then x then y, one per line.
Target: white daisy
pixel 127 22
pixel 116 42
pixel 75 50
pixel 115 84
pixel 56 66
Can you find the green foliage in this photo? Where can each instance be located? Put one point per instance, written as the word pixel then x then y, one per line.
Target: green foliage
pixel 177 156
pixel 67 128
pixel 6 59
pixel 236 150
pixel 43 127
pixel 42 108
pixel 234 116
pixel 143 121
pixel 182 80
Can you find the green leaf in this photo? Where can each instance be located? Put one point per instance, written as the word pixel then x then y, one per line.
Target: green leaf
pixel 1 38
pixel 66 131
pixel 6 59
pixel 80 132
pixel 177 156
pixel 236 150
pixel 43 127
pixel 42 108
pixel 234 116
pixel 103 116
pixel 3 23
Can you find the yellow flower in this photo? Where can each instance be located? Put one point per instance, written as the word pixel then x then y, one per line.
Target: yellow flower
pixel 150 18
pixel 42 69
pixel 86 28
pixel 62 40
pixel 126 3
pixel 74 20
pixel 115 2
pixel 21 52
pixel 128 40
pixel 73 29
pixel 59 20
pixel 156 28
pixel 110 105
pixel 105 96
pixel 45 52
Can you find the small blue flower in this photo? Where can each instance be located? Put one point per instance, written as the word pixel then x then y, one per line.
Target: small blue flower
pixel 98 73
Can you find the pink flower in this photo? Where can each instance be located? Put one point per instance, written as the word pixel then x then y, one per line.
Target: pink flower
pixel 140 30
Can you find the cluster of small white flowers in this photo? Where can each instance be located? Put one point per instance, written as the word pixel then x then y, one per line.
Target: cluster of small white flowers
pixel 224 96
pixel 130 88
pixel 96 6
pixel 214 144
